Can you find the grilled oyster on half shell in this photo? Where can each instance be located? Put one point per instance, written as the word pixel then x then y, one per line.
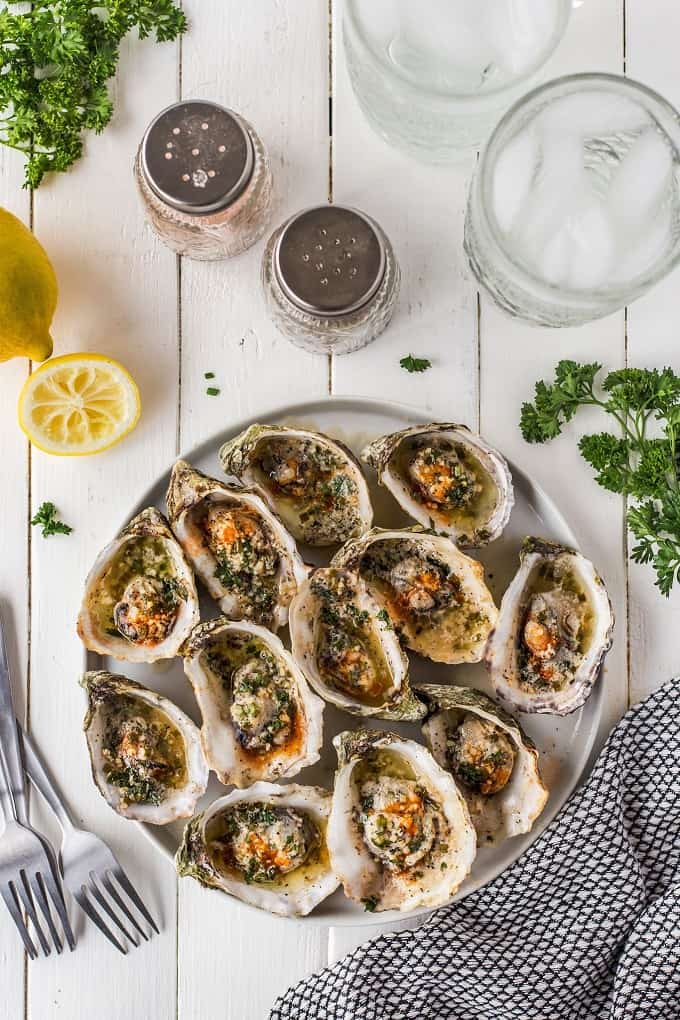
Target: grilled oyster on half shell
pixel 446 478
pixel 314 482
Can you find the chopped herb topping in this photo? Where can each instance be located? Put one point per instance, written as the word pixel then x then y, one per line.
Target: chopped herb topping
pixel 413 364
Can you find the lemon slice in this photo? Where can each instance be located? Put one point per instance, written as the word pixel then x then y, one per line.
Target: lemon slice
pixel 78 404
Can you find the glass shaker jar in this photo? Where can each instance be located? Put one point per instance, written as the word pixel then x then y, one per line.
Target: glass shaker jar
pixel 205 181
pixel 330 279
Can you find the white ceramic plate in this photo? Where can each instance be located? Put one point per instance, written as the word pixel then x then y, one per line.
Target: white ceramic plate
pixel 564 743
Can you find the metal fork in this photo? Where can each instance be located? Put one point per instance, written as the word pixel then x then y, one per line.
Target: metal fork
pixel 88 865
pixel 28 874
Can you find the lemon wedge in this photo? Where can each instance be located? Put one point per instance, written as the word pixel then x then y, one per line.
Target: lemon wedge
pixel 78 404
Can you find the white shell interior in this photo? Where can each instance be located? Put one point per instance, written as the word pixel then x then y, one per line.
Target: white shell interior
pixel 223 751
pixel 300 898
pixel 501 653
pixel 358 869
pixel 513 810
pixel 303 621
pixel 291 572
pixel 180 803
pixel 119 647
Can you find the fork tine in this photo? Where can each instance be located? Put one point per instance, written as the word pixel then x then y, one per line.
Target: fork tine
pixel 54 891
pixel 38 887
pixel 124 881
pixel 27 900
pixel 87 908
pixel 10 897
pixel 106 906
pixel 113 893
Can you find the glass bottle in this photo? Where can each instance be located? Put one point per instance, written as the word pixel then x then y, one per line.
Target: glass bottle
pixel 330 279
pixel 204 178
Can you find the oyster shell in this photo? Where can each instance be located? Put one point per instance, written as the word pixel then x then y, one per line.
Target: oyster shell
pixel 553 632
pixel 347 647
pixel 140 599
pixel 239 548
pixel 265 845
pixel 434 594
pixel 494 763
pixel 315 483
pixel 260 719
pixel 399 832
pixel 145 753
pixel 446 478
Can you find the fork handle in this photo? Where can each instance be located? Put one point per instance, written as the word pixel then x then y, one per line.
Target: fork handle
pixel 14 799
pixel 43 782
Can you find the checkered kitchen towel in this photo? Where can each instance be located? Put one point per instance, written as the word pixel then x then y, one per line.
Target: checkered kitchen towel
pixel 584 926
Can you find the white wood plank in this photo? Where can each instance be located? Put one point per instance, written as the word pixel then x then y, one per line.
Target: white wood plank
pixel 14 585
pixel 421 208
pixel 276 76
pixel 514 356
pixel 651 57
pixel 117 296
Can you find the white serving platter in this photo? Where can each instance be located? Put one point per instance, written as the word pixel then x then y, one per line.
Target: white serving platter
pixel 564 743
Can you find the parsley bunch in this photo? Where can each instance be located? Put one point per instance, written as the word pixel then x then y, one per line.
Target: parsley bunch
pixel 632 460
pixel 55 62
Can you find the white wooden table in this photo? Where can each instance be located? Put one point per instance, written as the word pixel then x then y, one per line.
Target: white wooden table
pixel 123 293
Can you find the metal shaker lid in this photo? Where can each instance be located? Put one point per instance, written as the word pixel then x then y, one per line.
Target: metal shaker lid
pixel 197 156
pixel 330 260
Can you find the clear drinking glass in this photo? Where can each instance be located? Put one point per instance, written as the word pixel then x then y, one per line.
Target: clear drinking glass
pixel 434 76
pixel 574 210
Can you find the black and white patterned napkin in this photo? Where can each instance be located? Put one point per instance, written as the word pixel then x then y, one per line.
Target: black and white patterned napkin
pixel 584 926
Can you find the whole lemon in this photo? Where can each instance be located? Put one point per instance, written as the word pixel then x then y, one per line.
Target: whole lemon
pixel 28 293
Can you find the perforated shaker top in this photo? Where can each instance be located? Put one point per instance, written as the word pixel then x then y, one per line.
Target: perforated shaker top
pixel 197 156
pixel 330 260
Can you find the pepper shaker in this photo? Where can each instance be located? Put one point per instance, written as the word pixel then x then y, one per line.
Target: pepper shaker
pixel 205 180
pixel 330 279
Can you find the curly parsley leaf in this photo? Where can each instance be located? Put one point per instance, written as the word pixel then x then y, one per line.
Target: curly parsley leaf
pixel 413 364
pixel 641 461
pixel 47 518
pixel 554 405
pixel 56 59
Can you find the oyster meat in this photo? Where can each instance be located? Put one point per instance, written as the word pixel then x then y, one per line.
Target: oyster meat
pixel 240 549
pixel 140 599
pixel 260 719
pixel 348 649
pixel 446 478
pixel 553 632
pixel 265 845
pixel 315 483
pixel 493 761
pixel 399 832
pixel 145 753
pixel 434 594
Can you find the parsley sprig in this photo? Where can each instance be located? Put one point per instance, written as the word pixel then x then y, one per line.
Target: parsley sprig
pixel 56 59
pixel 631 460
pixel 413 364
pixel 46 517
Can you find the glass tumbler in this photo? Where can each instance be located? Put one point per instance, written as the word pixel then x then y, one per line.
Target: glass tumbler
pixel 433 77
pixel 574 209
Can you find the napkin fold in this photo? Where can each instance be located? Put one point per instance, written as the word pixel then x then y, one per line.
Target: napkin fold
pixel 584 926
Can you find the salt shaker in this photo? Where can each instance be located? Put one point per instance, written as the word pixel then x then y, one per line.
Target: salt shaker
pixel 331 279
pixel 205 180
